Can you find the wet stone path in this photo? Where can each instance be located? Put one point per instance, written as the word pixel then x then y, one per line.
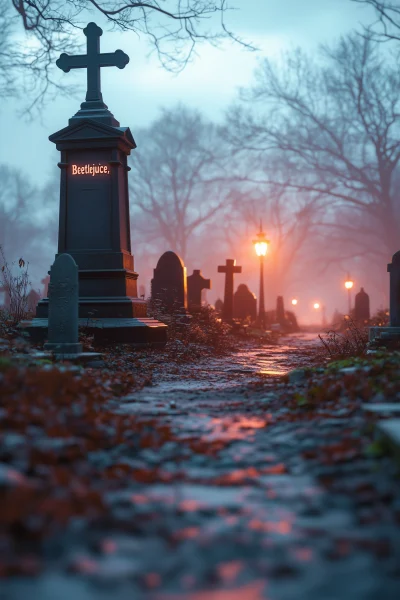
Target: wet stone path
pixel 246 503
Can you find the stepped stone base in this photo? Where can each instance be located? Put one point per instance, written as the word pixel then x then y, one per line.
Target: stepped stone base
pixel 384 335
pixel 139 332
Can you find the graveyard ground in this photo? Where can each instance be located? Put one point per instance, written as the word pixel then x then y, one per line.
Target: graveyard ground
pixel 249 474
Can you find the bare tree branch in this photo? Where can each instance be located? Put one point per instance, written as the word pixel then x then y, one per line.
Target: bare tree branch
pixel 43 29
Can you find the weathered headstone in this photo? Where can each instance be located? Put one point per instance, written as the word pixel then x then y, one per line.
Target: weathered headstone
pixel 168 285
pixel 361 307
pixel 280 311
pixel 94 211
pixel 195 284
pixel 33 299
pixel 244 303
pixel 63 307
pixel 229 269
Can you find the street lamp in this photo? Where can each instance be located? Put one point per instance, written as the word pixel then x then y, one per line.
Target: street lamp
pixel 348 284
pixel 261 247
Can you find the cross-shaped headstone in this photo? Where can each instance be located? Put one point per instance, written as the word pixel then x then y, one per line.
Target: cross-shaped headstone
pixel 93 61
pixel 195 284
pixel 229 269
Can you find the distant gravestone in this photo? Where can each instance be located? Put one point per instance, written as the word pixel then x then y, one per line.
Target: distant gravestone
pixel 229 269
pixel 219 305
pixel 361 306
pixel 244 303
pixel 195 284
pixel 33 299
pixel 63 307
pixel 45 281
pixel 168 285
pixel 280 311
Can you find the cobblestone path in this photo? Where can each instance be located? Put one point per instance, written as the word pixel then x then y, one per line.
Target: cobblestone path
pixel 248 502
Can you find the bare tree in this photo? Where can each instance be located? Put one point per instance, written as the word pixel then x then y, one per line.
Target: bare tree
pixel 26 222
pixel 177 179
pixel 289 221
pixel 335 124
pixel 387 24
pixel 172 27
pixel 17 200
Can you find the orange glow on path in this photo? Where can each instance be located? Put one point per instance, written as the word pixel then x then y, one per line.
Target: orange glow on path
pixel 250 591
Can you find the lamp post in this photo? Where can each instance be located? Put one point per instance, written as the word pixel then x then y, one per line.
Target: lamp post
pixel 348 284
pixel 261 247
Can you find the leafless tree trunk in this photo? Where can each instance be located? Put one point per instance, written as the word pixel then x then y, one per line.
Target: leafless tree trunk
pixel 172 28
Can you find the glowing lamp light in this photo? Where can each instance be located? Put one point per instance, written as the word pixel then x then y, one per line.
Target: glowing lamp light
pixel 348 284
pixel 261 248
pixel 261 243
pixel 316 305
pixel 294 301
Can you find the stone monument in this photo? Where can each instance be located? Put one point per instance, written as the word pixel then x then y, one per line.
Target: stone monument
pixel 195 284
pixel 63 307
pixel 244 303
pixel 168 285
pixel 94 225
pixel 361 307
pixel 229 269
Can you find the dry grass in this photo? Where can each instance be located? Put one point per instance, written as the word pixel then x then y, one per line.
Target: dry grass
pixel 350 341
pixel 16 284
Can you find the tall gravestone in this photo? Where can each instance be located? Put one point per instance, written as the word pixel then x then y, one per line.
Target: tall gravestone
pixel 196 283
pixel 229 269
pixel 63 307
pixel 244 303
pixel 94 224
pixel 168 285
pixel 361 306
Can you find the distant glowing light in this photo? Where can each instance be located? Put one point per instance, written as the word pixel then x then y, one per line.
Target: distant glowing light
pixel 348 284
pixel 261 243
pixel 316 305
pixel 294 301
pixel 261 248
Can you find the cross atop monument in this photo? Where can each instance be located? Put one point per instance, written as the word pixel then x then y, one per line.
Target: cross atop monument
pixel 229 269
pixel 93 61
